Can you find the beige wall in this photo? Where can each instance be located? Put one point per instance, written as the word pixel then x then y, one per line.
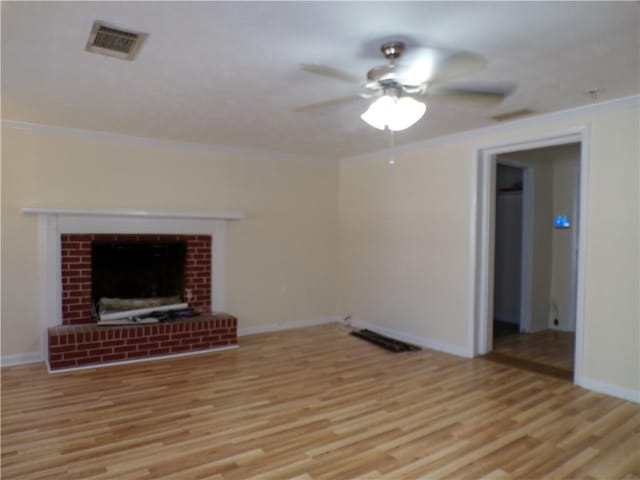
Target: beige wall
pixel 405 256
pixel 281 258
pixel 542 244
pixel 565 197
pixel 398 255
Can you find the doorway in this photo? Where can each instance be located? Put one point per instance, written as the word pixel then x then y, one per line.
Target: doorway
pixel 528 285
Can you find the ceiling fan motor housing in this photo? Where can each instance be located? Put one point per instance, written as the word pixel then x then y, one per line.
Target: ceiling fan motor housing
pixel 392 50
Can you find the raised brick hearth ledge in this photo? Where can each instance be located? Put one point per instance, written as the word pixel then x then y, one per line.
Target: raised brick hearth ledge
pixel 72 346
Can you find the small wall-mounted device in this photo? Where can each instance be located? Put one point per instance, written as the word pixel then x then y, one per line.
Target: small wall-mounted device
pixel 561 221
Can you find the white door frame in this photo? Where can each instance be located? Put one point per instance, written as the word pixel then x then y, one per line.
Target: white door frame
pixel 484 157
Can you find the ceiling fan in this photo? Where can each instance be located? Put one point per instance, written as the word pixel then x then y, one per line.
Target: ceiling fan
pixel 410 77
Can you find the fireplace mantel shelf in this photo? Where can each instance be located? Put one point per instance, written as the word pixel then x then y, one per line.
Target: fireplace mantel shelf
pixel 134 213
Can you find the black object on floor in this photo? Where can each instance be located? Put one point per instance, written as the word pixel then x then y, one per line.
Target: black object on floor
pixel 502 329
pixel 390 344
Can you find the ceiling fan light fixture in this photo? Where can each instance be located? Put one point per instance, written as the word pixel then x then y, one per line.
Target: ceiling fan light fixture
pixel 393 112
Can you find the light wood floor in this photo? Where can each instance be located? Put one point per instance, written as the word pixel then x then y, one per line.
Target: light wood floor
pixel 549 347
pixel 312 403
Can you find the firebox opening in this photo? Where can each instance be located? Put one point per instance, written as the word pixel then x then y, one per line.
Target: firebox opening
pixel 137 270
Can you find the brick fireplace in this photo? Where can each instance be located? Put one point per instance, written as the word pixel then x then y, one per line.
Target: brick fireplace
pixel 72 339
pixel 76 270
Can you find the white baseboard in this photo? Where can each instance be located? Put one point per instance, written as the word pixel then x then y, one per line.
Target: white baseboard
pixel 608 389
pixel 274 327
pixel 413 339
pixel 20 359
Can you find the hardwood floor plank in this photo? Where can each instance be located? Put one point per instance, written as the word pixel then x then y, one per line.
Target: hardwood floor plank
pixel 553 348
pixel 311 404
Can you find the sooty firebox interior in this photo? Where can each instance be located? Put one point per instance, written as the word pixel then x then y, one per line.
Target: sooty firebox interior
pixel 137 270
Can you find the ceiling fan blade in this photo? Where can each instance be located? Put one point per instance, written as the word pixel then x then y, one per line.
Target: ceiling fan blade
pixel 420 65
pixel 327 103
pixel 417 65
pixel 465 97
pixel 331 72
pixel 457 65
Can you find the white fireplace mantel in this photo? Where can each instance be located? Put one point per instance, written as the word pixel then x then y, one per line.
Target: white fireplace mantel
pixel 100 212
pixel 54 222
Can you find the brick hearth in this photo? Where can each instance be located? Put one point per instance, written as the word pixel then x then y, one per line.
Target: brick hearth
pixel 73 346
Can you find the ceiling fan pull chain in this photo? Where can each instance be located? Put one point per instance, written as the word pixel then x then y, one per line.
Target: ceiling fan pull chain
pixel 392 156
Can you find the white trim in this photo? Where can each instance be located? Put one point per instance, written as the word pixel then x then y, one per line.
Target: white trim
pixel 608 389
pixel 276 327
pixel 526 277
pixel 458 350
pixel 474 271
pixel 581 265
pixel 20 359
pixel 100 212
pixel 486 158
pixel 534 121
pixel 139 360
pixel 158 142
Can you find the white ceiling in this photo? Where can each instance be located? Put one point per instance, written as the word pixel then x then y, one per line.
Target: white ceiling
pixel 227 73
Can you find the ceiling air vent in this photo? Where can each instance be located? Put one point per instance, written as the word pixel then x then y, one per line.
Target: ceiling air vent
pixel 503 117
pixel 114 42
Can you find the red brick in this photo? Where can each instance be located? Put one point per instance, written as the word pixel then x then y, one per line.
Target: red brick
pixel 176 336
pixel 88 360
pixel 79 308
pixel 101 351
pixel 81 237
pixel 125 348
pixel 158 338
pixel 159 351
pixel 76 279
pixel 63 364
pixel 143 353
pixel 69 355
pixel 112 343
pixel 180 348
pixel 210 338
pixel 114 356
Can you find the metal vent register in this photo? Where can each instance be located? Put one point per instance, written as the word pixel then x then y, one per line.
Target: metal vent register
pixel 114 42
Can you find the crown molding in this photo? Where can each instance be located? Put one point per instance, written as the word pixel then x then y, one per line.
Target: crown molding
pixel 533 121
pixel 56 130
pixel 542 119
